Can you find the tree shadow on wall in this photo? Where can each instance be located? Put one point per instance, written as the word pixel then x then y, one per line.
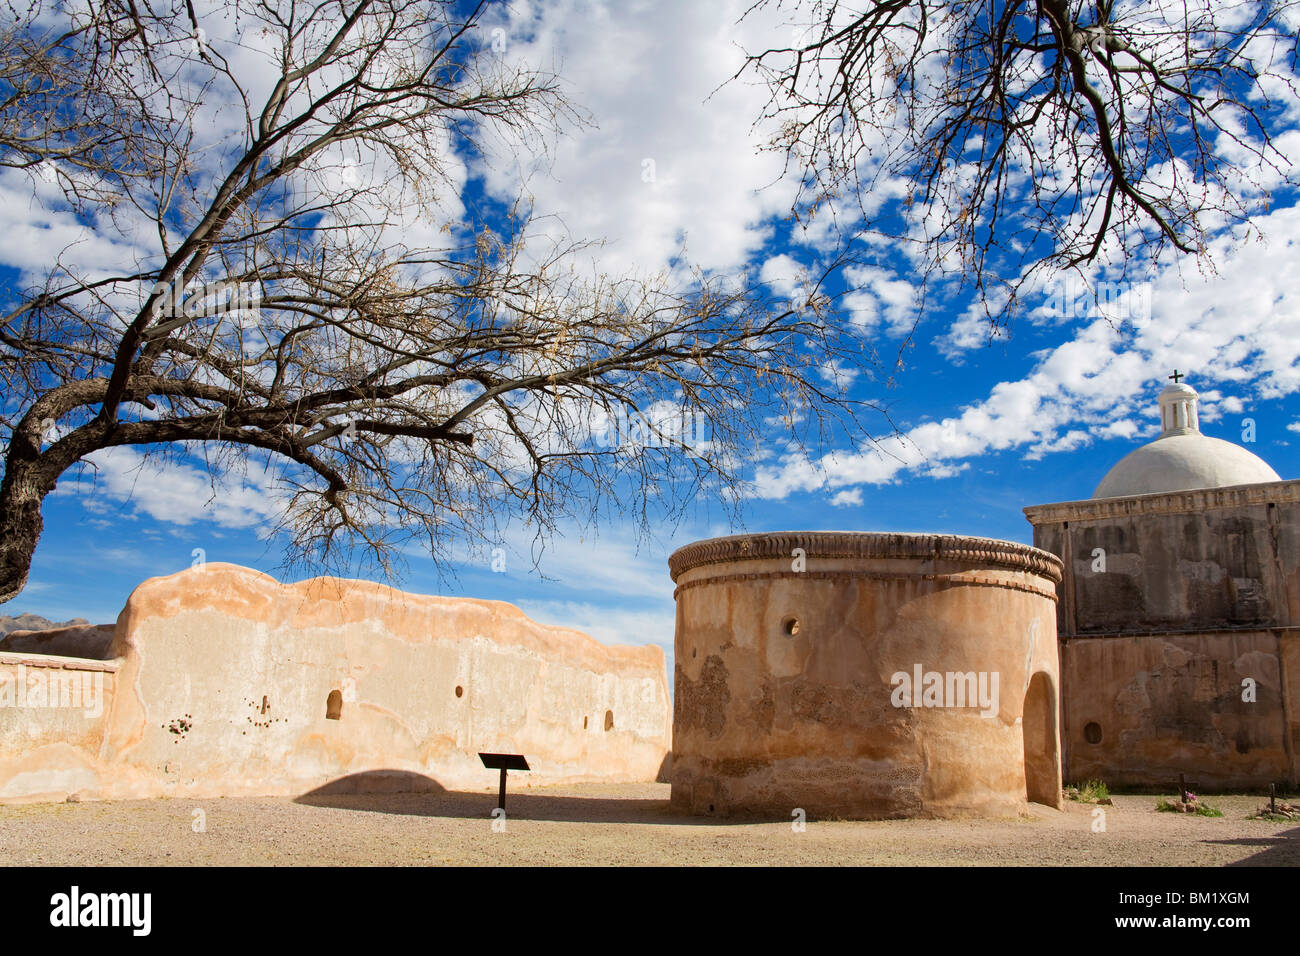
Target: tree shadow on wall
pixel 406 793
pixel 1276 849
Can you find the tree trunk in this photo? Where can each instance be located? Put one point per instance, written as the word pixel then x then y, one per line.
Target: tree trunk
pixel 31 474
pixel 27 481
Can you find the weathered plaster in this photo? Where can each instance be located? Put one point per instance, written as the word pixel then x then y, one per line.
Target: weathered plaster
pixel 1169 602
pixel 222 679
pixel 770 717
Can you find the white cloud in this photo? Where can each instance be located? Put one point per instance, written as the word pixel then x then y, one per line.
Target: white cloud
pixel 946 470
pixel 880 296
pixel 1074 438
pixel 849 497
pixel 782 275
pixel 674 162
pixel 1123 428
pixel 174 491
pixel 40 229
pixel 1240 326
pixel 611 624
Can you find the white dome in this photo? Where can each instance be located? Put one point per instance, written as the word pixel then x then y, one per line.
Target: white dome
pixel 1182 459
pixel 1183 463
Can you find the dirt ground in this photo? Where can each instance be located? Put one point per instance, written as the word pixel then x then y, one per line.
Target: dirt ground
pixel 613 825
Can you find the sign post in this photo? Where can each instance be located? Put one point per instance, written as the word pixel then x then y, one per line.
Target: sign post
pixel 503 762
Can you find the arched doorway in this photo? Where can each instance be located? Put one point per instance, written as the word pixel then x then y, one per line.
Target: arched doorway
pixel 1042 742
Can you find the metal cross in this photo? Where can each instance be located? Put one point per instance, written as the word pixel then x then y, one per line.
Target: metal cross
pixel 1177 375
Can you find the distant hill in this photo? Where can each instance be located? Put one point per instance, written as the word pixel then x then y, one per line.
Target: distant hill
pixel 33 622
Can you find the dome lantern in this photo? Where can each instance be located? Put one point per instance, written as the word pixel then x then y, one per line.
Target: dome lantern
pixel 1181 458
pixel 1178 407
pixel 1178 410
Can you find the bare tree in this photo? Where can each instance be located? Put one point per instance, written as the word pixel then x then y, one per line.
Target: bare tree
pixel 1035 135
pixel 264 309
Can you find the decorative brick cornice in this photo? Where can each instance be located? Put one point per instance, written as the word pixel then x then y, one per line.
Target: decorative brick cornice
pixel 959 549
pixel 1169 502
pixel 889 577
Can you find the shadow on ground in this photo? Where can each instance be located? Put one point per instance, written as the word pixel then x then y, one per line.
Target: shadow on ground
pixel 1278 849
pixel 412 794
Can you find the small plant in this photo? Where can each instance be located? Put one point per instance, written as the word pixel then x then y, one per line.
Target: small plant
pixel 1093 791
pixel 1189 804
pixel 1277 811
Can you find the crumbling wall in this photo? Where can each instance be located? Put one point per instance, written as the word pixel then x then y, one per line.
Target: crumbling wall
pixel 90 641
pixel 1139 711
pixel 1195 560
pixel 788 646
pixel 230 683
pixel 1169 602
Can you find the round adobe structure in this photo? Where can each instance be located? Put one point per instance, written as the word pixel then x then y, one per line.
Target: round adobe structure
pixel 795 656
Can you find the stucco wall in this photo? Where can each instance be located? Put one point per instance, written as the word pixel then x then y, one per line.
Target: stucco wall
pixel 224 677
pixel 785 675
pixel 1224 557
pixel 1140 710
pixel 80 640
pixel 54 717
pixel 1169 601
pixel 1168 604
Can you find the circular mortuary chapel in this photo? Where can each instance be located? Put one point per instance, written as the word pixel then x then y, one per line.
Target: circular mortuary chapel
pixel 861 675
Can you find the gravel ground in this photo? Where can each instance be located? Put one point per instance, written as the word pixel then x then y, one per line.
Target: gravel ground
pixel 613 824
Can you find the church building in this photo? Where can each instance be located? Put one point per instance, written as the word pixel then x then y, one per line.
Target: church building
pixel 1179 614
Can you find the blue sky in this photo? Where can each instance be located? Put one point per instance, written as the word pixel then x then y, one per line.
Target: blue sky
pixel 1037 415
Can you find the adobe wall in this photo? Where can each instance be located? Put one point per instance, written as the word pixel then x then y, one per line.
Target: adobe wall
pixel 1141 709
pixel 1189 594
pixel 54 717
pixel 224 679
pixel 787 647
pixel 80 640
pixel 1191 560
